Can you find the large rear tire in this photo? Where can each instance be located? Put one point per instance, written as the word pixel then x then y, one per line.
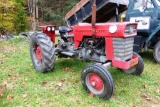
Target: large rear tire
pixel 98 81
pixel 137 69
pixel 156 52
pixel 42 52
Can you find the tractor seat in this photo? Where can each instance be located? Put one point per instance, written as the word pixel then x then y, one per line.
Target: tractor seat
pixel 64 29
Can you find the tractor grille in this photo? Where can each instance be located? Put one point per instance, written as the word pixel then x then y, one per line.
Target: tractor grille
pixel 123 48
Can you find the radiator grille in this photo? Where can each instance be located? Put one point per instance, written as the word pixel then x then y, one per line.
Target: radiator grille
pixel 123 48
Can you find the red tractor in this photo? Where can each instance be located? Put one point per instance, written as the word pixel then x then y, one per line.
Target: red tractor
pixel 105 44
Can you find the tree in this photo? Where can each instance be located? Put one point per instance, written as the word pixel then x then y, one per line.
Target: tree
pixel 12 17
pixel 48 11
pixel 32 13
pixel 53 11
pixel 7 14
pixel 21 20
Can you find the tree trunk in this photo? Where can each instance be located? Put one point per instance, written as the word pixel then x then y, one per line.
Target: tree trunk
pixel 34 15
pixel 32 12
pixel 37 15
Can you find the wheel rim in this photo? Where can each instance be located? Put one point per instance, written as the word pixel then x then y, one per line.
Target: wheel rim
pixel 94 83
pixel 39 53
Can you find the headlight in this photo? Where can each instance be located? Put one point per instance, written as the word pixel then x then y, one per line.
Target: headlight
pixel 48 29
pixel 53 29
pixel 112 28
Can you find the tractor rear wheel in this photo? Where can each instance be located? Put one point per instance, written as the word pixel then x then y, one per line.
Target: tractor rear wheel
pixel 137 69
pixel 97 81
pixel 156 52
pixel 42 52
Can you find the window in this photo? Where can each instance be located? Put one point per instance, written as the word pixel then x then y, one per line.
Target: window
pixel 149 4
pixel 138 4
pixel 158 2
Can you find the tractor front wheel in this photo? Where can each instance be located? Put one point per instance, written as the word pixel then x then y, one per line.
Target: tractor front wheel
pixel 42 52
pixel 97 81
pixel 138 69
pixel 156 52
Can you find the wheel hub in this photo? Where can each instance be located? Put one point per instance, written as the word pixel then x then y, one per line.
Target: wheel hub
pixel 39 53
pixel 96 82
pixel 93 84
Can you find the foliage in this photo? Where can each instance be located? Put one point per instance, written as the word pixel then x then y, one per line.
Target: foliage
pixel 20 21
pixel 7 14
pixel 12 17
pixel 54 10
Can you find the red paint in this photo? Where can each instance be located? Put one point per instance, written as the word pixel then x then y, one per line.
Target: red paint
pixel 125 64
pixel 39 53
pixel 101 30
pixel 83 30
pixel 51 34
pixel 109 48
pixel 96 82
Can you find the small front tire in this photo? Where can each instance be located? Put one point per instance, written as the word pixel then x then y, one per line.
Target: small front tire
pixel 98 81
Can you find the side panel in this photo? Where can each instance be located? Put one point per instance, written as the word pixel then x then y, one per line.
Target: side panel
pixel 102 30
pixel 109 48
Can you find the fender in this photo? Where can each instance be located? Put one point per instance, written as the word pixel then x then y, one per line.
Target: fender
pixel 153 34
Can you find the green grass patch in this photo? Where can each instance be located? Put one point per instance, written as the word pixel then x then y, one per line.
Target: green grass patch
pixel 22 86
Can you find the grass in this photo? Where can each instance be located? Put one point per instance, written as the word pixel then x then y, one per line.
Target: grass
pixel 22 86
